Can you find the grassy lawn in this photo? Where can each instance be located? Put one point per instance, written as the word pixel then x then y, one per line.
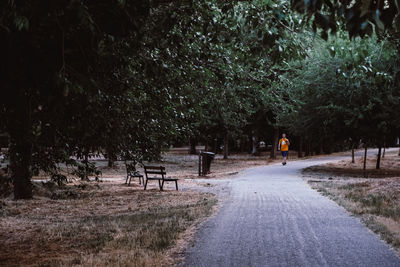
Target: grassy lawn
pixel 376 199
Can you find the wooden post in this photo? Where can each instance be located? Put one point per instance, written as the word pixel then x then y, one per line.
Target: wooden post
pixel 352 153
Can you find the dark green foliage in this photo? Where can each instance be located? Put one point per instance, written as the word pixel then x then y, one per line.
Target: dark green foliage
pixel 58 178
pixel 128 78
pixel 360 17
pixel 86 169
pixel 63 66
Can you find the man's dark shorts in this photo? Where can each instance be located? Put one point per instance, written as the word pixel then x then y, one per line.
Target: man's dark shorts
pixel 284 153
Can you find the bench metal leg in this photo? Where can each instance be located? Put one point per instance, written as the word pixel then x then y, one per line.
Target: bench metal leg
pixel 145 185
pixel 161 185
pixel 176 185
pixel 129 179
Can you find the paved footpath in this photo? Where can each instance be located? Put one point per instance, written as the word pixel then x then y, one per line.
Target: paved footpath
pixel 273 218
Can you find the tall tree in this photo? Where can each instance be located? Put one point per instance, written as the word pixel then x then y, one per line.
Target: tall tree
pixel 49 76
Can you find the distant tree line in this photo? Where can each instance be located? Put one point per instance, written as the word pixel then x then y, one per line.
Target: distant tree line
pixel 344 92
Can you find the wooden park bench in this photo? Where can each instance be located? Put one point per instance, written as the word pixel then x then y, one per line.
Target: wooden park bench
pixel 158 173
pixel 132 173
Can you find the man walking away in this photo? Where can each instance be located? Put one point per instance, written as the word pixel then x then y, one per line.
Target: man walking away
pixel 283 146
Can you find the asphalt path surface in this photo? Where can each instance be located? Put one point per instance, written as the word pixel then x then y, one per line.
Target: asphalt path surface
pixel 273 218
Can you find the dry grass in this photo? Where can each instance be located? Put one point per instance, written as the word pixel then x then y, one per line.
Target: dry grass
pixel 98 225
pixel 109 223
pixel 390 167
pixel 376 199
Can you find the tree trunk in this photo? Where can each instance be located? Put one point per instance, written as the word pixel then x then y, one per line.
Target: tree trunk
pixel 20 150
pixel 384 147
pixel 20 165
pixel 111 157
pixel 249 143
pixel 215 145
pixel 110 163
pixel 226 146
pixel 274 144
pixel 254 143
pixel 306 149
pixel 352 153
pixel 320 148
pixel 243 144
pixel 86 162
pixel 192 149
pixel 299 149
pixel 378 159
pixel 365 161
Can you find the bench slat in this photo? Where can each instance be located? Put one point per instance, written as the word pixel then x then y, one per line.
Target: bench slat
pixel 155 172
pixel 158 170
pixel 154 167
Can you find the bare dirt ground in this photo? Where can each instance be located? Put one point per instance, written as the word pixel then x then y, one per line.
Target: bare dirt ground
pixel 375 199
pixel 110 223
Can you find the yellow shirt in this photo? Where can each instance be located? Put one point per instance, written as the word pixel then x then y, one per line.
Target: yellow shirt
pixel 284 143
